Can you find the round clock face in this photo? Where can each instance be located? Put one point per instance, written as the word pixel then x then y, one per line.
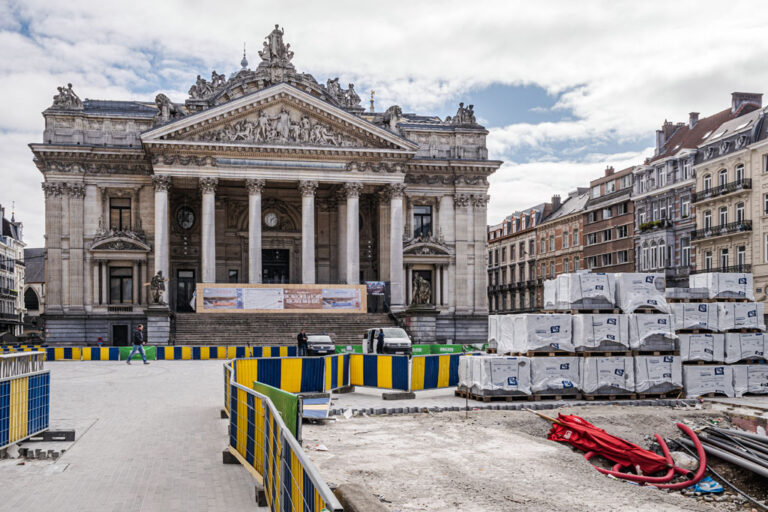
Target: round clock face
pixel 185 216
pixel 270 219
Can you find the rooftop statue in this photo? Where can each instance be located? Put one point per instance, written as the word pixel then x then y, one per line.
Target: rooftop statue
pixel 67 99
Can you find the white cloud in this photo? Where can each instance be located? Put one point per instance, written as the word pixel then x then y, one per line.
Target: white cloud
pixel 620 67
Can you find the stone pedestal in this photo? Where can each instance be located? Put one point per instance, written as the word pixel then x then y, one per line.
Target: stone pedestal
pixel 421 321
pixel 158 324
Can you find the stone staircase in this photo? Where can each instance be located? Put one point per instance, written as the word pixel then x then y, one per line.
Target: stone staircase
pixel 273 329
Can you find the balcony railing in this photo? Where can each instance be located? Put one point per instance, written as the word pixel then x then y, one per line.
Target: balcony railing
pixel 9 317
pixel 119 308
pixel 727 188
pixel 9 292
pixel 733 268
pixel 724 229
pixel 654 224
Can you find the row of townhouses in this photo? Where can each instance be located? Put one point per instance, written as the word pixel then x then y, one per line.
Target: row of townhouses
pixel 700 203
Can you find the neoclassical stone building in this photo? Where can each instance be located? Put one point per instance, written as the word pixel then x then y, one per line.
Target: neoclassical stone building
pixel 265 176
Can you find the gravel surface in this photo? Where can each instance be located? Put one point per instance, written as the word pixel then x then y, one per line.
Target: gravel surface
pixel 492 461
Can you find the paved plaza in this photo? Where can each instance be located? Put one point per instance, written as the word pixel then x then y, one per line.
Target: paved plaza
pixel 149 438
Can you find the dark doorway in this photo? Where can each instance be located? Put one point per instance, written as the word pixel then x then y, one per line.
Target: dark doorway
pixel 185 289
pixel 120 335
pixel 276 264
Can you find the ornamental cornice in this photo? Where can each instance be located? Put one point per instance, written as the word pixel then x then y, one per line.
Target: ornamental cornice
pixel 446 179
pixel 376 167
pixel 184 160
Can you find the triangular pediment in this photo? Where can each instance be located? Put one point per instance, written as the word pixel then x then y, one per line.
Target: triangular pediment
pixel 281 115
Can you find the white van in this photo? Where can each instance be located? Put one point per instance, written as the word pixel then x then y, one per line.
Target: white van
pixel 396 341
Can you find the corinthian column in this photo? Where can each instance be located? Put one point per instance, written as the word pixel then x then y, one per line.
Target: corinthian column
pixel 397 293
pixel 341 254
pixel 255 188
pixel 208 188
pixel 353 231
pixel 76 193
pixel 307 189
pixel 53 245
pixel 162 251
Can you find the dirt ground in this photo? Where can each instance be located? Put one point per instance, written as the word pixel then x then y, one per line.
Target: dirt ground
pixel 492 461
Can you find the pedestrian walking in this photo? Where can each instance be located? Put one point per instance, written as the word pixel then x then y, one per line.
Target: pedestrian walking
pixel 138 344
pixel 380 342
pixel 301 339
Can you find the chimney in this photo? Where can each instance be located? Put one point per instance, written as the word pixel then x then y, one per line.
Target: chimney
pixel 609 170
pixel 555 202
pixel 693 118
pixel 740 98
pixel 668 128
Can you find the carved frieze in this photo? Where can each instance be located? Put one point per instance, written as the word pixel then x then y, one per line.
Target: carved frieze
pixel 375 167
pixel 185 160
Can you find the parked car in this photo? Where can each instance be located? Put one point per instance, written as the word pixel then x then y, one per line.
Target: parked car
pixel 396 341
pixel 320 345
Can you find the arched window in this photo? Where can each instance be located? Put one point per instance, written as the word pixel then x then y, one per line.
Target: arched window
pixel 707 219
pixel 740 212
pixel 722 177
pixel 723 215
pixel 31 301
pixel 707 182
pixel 740 173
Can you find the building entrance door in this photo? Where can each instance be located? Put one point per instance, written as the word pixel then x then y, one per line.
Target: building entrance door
pixel 185 289
pixel 120 335
pixel 276 266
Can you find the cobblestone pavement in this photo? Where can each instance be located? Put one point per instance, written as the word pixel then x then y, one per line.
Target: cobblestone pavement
pixel 149 439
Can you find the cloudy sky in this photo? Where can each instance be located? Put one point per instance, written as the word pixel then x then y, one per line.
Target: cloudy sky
pixel 565 88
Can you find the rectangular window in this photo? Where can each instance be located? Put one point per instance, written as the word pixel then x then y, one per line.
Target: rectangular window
pixel 120 213
pixel 644 258
pixel 607 213
pixel 531 248
pixel 607 259
pixel 575 264
pixel 641 217
pixel 626 181
pixel 591 238
pixel 607 235
pixel 565 240
pixel 422 221
pixel 685 249
pixel 610 186
pixel 503 254
pixel 708 260
pixel 543 248
pixel 551 242
pixel 543 271
pixel 591 217
pixel 495 256
pixel 575 237
pixel 565 266
pixel 552 268
pixel 707 220
pixel 723 216
pixel 120 285
pixel 723 258
pixel 622 209
pixel 622 256
pixel 685 207
pixel 686 169
pixel 622 231
pixel 765 162
pixel 766 248
pixel 595 191
pixel 592 261
pixel 741 257
pixel 765 204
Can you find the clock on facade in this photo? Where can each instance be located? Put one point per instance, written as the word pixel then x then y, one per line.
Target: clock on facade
pixel 185 216
pixel 270 219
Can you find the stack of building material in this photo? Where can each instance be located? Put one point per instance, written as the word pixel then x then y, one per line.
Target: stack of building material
pixel 601 332
pixel 487 376
pixel 649 332
pixel 612 376
pixel 542 333
pixel 557 376
pixel 505 334
pixel 641 292
pixel 695 316
pixel 580 291
pixel 702 347
pixel 741 316
pixel 493 331
pixel 750 378
pixel 658 374
pixel 744 346
pixel 724 285
pixel 708 380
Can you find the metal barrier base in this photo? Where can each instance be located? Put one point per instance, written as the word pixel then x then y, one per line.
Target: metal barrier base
pixel 228 458
pixel 224 414
pixel 403 395
pixel 345 389
pixel 261 496
pixel 54 435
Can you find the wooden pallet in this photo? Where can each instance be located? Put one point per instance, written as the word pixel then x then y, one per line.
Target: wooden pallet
pixel 727 299
pixel 713 395
pixel 695 331
pixel 744 330
pixel 606 353
pixel 546 396
pixel 551 353
pixel 585 311
pixel 648 310
pixel 490 351
pixel 615 396
pixel 493 397
pixel 672 395
pixel 655 352
pixel 702 363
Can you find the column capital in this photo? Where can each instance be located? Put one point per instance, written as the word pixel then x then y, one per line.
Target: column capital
pixel 76 190
pixel 52 189
pixel 353 189
pixel 208 185
pixel 461 200
pixel 161 183
pixel 307 188
pixel 255 185
pixel 480 201
pixel 392 191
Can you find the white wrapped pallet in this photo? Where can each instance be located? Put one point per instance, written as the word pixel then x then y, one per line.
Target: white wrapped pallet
pixel 695 315
pixel 724 285
pixel 750 378
pixel 600 332
pixel 493 331
pixel 741 346
pixel 559 375
pixel 702 347
pixel 700 380
pixel 658 374
pixel 542 333
pixel 500 375
pixel 651 332
pixel 638 290
pixel 740 315
pixel 465 372
pixel 585 290
pixel 607 375
pixel 550 294
pixel 505 328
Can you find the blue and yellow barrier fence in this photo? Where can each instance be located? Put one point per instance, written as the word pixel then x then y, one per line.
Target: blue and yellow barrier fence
pixel 379 371
pixel 100 353
pixel 434 372
pixel 261 441
pixel 291 374
pixel 336 371
pixel 24 397
pixel 63 353
pixel 166 353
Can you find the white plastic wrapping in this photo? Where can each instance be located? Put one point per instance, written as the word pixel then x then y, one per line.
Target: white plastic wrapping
pixel 722 285
pixel 702 347
pixel 651 332
pixel 607 375
pixel 550 294
pixel 700 380
pixel 744 346
pixel 493 331
pixel 481 374
pixel 635 291
pixel 505 333
pixel 750 378
pixel 585 290
pixel 601 332
pixel 557 374
pixel 740 315
pixel 658 374
pixel 542 333
pixel 695 315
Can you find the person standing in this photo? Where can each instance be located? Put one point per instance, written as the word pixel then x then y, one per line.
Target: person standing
pixel 380 342
pixel 302 342
pixel 138 344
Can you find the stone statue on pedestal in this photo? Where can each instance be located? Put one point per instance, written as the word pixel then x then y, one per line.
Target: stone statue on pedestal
pixel 422 293
pixel 157 287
